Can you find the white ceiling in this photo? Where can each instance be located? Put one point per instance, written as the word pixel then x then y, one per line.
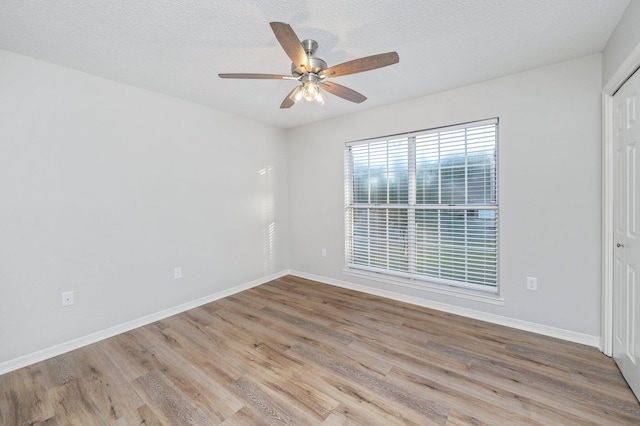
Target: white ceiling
pixel 177 47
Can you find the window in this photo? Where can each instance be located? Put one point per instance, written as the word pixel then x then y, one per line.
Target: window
pixel 424 206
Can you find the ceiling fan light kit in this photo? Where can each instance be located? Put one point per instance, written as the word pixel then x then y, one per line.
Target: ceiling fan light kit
pixel 312 72
pixel 308 90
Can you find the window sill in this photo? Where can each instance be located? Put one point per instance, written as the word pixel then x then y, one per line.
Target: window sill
pixel 478 296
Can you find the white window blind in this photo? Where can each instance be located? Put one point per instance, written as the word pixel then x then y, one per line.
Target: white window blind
pixel 424 205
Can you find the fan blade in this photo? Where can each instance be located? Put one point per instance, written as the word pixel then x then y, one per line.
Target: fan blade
pixel 291 45
pixel 258 76
pixel 363 64
pixel 343 92
pixel 288 102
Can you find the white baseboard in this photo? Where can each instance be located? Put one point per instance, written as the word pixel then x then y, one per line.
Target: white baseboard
pixel 545 330
pixel 56 350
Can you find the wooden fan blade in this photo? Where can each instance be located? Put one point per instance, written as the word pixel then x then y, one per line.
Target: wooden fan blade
pixel 291 45
pixel 363 64
pixel 258 76
pixel 288 101
pixel 343 92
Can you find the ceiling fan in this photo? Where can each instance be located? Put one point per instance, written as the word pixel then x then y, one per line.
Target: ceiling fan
pixel 312 72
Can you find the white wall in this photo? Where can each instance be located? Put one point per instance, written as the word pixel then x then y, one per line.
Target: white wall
pixel 623 41
pixel 105 188
pixel 549 175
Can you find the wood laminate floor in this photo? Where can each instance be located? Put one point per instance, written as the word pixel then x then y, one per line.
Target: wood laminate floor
pixel 298 352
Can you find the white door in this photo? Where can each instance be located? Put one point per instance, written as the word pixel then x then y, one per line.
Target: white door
pixel 626 283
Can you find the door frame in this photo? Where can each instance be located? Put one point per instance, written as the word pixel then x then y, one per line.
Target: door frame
pixel 626 69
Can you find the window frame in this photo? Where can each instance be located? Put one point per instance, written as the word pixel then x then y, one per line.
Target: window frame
pixel 412 207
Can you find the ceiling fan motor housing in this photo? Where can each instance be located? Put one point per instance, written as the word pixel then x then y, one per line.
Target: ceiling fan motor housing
pixel 316 64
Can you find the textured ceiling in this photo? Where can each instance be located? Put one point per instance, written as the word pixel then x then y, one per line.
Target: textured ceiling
pixel 177 47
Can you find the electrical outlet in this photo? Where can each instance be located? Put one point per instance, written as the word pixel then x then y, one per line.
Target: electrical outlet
pixel 532 283
pixel 67 298
pixel 324 252
pixel 177 272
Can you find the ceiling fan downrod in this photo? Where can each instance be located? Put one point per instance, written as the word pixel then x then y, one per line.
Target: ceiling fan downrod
pixel 309 46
